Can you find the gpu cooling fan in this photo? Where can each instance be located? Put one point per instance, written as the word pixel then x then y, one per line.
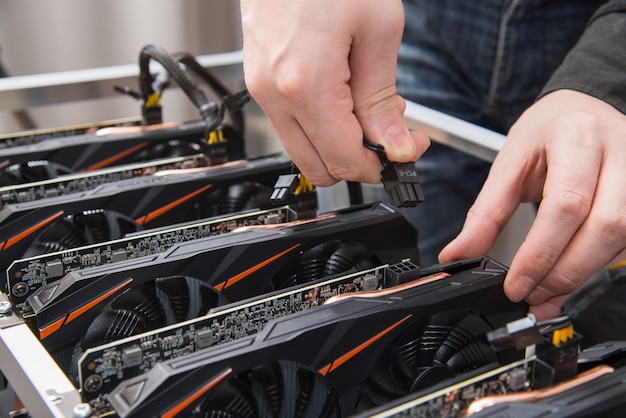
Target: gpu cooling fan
pixel 278 389
pixel 234 198
pixel 150 305
pixel 448 343
pixel 327 259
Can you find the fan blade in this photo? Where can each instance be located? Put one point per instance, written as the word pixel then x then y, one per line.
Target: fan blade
pixel 230 399
pixel 461 350
pixel 285 389
pixel 435 333
pixel 104 225
pixel 173 292
pixel 185 297
pixel 446 343
pixel 327 259
pixel 268 388
pixel 314 398
pixel 279 390
pixel 135 311
pixel 235 198
pixel 58 236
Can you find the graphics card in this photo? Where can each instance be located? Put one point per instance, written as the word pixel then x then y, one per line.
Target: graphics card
pixel 353 352
pixel 25 276
pixel 57 185
pixel 35 136
pixel 123 145
pixel 112 210
pixel 220 269
pixel 101 368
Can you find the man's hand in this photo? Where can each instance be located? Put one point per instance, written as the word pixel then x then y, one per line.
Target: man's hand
pixel 324 73
pixel 569 151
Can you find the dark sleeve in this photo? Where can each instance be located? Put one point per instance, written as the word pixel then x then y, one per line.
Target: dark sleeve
pixel 597 64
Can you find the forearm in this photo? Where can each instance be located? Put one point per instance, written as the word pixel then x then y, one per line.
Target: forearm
pixel 597 64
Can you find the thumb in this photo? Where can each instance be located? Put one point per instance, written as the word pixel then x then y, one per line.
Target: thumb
pixel 373 60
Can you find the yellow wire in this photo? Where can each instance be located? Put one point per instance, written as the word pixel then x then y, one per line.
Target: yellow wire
pixel 153 100
pixel 304 186
pixel 618 265
pixel 562 335
pixel 216 136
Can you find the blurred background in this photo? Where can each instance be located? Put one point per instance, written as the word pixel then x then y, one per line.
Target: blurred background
pixel 50 36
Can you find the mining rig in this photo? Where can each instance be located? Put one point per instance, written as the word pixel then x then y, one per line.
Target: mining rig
pixel 156 270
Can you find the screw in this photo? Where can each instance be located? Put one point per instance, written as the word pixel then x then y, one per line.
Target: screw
pixel 5 307
pixel 20 289
pixel 82 410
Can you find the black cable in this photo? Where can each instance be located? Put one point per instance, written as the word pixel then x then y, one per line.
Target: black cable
pixel 209 110
pixel 233 102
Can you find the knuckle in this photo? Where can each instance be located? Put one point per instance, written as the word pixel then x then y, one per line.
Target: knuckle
pixel 290 84
pixel 344 172
pixel 611 226
pixel 541 258
pixel 321 179
pixel 573 203
pixel 563 283
pixel 266 81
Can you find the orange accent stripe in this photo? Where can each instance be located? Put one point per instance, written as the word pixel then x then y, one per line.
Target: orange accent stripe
pixel 78 312
pixel 50 329
pixel 350 354
pixel 324 370
pixel 108 161
pixel 223 285
pixel 189 400
pixel 17 238
pixel 158 212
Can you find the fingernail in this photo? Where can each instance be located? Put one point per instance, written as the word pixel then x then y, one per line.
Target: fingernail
pixel 520 288
pixel 398 141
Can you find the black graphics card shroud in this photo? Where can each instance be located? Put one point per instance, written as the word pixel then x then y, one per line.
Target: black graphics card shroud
pixel 349 353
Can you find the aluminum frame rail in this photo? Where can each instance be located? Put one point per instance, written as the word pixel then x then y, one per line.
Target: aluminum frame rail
pixel 34 376
pixel 21 92
pixel 454 132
